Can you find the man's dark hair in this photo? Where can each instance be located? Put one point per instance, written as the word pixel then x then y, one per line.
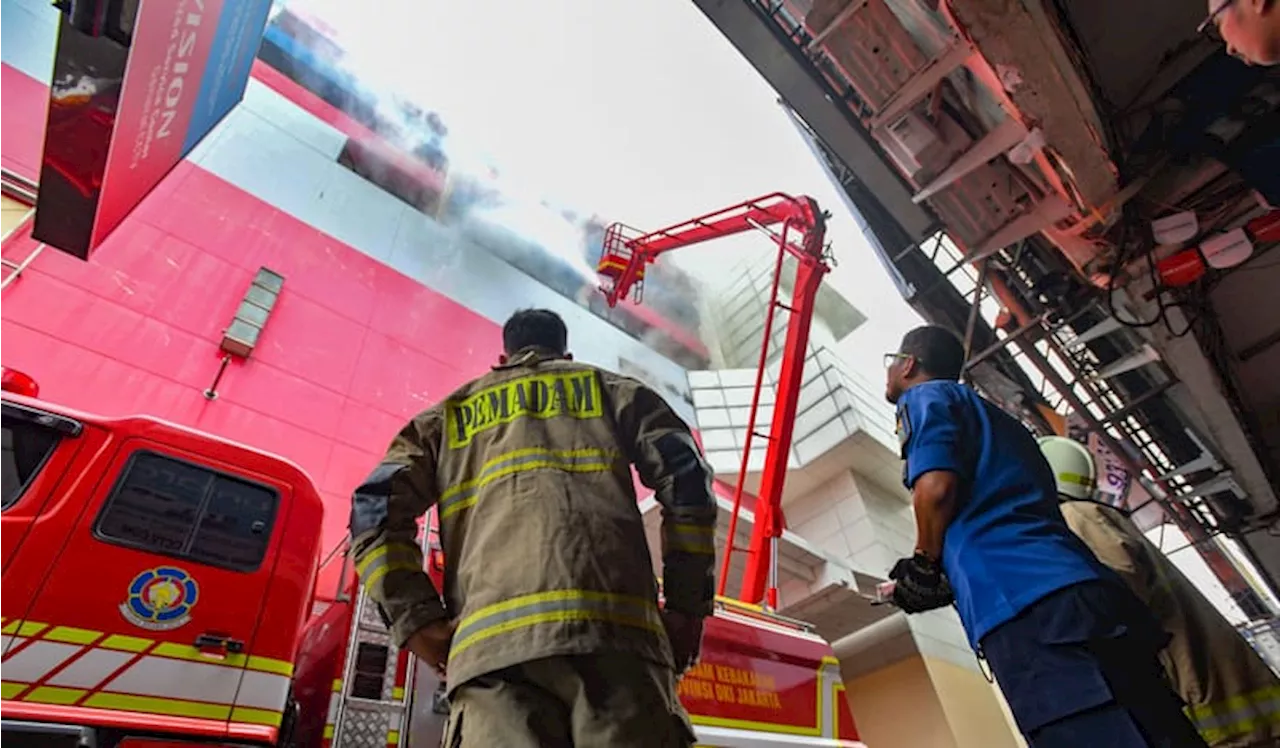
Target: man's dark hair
pixel 939 352
pixel 528 328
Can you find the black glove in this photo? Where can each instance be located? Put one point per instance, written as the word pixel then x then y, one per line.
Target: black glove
pixel 685 634
pixel 920 585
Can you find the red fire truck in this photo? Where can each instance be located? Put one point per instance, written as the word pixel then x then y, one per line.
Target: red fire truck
pixel 159 592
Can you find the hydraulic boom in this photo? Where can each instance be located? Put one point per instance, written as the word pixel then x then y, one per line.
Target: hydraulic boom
pixel 628 252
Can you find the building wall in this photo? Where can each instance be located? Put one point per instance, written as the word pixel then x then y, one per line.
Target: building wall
pixel 383 311
pixel 739 308
pixel 738 304
pixel 919 702
pixel 972 707
pixel 923 702
pixel 897 706
pixel 832 408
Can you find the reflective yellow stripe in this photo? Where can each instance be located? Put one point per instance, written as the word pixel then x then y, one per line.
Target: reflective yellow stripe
pixel 21 628
pixel 136 644
pixel 697 539
pixel 385 559
pixel 363 564
pixel 393 552
pixel 337 685
pixel 393 737
pixel 553 595
pixel 72 635
pixel 554 607
pixel 397 693
pixel 154 705
pixel 149 704
pixel 9 690
pixel 328 732
pixel 464 494
pixel 250 662
pixel 556 616
pixel 269 665
pixel 684 528
pixel 1238 715
pixel 187 652
pixel 696 549
pixel 380 572
pixel 1207 711
pixel 193 655
pixel 54 695
pixel 517 454
pixel 729 602
pixel 256 716
pixel 126 643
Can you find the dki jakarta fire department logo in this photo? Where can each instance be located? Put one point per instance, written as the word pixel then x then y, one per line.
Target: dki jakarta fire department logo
pixel 161 599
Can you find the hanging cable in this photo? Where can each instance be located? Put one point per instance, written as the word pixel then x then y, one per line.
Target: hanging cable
pixel 1122 257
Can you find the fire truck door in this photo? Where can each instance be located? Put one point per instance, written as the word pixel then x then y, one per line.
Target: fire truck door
pixel 36 454
pixel 152 606
pixel 44 489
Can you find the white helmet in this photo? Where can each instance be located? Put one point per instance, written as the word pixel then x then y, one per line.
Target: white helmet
pixel 1072 464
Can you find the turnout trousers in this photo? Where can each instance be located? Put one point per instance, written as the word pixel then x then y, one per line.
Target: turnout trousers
pixel 1080 668
pixel 609 700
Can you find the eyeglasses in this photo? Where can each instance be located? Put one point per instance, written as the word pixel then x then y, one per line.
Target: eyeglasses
pixel 892 358
pixel 1210 24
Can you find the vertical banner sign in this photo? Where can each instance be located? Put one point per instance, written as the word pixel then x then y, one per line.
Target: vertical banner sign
pixel 136 85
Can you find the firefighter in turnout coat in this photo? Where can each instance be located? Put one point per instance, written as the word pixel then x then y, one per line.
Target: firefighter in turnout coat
pixel 549 629
pixel 1231 695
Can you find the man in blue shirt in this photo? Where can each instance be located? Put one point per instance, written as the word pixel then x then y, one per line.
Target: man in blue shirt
pixel 1074 651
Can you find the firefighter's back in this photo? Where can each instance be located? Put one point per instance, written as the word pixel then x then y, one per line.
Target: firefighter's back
pixel 549 627
pixel 538 517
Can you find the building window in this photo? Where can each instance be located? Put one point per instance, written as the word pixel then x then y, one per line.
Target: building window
pixel 168 506
pixel 416 178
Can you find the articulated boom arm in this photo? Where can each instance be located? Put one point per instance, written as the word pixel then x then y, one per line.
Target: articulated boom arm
pixel 622 264
pixel 627 251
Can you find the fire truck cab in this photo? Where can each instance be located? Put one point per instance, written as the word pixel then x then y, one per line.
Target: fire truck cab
pixel 156 580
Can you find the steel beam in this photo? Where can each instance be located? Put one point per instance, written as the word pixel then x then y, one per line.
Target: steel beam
pixel 920 84
pixel 1005 136
pixel 782 63
pixel 845 14
pixel 1002 343
pixel 1043 215
pixel 971 327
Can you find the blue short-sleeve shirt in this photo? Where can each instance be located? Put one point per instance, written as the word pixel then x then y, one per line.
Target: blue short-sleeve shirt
pixel 1008 545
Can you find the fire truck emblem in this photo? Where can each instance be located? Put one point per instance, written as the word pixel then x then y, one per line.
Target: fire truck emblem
pixel 161 599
